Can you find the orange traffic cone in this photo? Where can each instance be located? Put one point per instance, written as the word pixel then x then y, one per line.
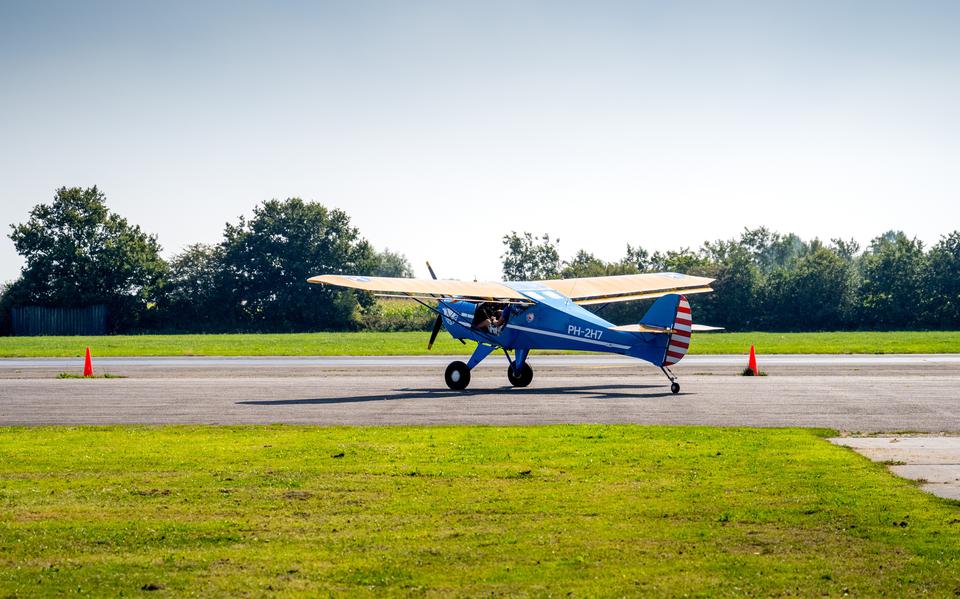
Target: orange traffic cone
pixel 752 364
pixel 88 365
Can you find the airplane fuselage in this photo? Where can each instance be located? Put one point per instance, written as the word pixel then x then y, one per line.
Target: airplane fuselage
pixel 553 322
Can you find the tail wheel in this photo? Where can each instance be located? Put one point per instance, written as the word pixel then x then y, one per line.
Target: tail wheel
pixel 523 379
pixel 457 376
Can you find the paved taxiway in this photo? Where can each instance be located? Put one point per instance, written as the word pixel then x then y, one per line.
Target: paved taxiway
pixel 849 393
pixel 934 462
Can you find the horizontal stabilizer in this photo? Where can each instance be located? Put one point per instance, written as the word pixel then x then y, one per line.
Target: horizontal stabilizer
pixel 646 328
pixel 642 328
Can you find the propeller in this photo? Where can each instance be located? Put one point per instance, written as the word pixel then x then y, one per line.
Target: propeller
pixel 439 321
pixel 436 329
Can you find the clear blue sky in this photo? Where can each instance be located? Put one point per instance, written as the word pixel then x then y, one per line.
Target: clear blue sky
pixel 439 127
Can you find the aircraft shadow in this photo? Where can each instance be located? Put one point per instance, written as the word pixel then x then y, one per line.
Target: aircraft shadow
pixel 592 391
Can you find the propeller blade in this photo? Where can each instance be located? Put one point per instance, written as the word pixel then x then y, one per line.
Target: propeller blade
pixel 436 329
pixel 438 322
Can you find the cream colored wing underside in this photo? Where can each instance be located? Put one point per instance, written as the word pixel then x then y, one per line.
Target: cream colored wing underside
pixel 585 291
pixel 622 288
pixel 424 288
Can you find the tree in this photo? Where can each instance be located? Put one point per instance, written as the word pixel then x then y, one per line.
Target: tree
pixel 813 294
pixel 940 281
pixel 526 260
pixel 890 289
pixel 78 253
pixel 391 264
pixel 585 264
pixel 637 257
pixel 267 260
pixel 683 261
pixel 6 303
pixel 194 292
pixel 771 250
pixel 734 303
pixel 846 249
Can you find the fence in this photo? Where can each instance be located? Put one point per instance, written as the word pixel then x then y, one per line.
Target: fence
pixel 37 320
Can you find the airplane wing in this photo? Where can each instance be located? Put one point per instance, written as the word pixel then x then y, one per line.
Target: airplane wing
pixel 425 288
pixel 623 288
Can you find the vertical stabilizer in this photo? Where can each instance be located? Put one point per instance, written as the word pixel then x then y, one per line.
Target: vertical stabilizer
pixel 680 338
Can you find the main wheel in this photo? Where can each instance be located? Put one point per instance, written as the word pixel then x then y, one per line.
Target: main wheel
pixel 675 388
pixel 524 378
pixel 457 376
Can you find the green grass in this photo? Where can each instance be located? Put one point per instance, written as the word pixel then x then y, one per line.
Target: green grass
pixel 588 510
pixel 415 343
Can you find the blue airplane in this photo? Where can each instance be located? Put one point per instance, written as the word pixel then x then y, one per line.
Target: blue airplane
pixel 520 316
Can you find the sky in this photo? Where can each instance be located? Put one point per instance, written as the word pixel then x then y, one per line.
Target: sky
pixel 439 127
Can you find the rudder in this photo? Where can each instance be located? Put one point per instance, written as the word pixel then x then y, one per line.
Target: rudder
pixel 680 337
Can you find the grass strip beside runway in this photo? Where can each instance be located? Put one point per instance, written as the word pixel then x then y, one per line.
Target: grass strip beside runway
pixel 592 510
pixel 415 343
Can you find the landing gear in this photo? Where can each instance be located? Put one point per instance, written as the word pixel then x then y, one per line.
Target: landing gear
pixel 457 376
pixel 523 378
pixel 674 385
pixel 519 372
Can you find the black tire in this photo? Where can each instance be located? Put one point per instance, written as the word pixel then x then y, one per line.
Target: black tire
pixel 526 375
pixel 675 388
pixel 457 376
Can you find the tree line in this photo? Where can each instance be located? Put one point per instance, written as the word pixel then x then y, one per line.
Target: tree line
pixel 779 282
pixel 78 253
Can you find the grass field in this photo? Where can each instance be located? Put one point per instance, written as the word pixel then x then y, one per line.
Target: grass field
pixel 415 343
pixel 587 510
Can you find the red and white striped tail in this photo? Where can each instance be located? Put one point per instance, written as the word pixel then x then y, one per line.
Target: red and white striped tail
pixel 680 338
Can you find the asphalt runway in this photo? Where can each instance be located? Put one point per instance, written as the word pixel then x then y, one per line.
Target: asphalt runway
pixel 848 393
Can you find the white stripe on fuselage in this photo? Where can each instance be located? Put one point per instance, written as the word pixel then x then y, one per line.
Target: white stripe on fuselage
pixel 565 336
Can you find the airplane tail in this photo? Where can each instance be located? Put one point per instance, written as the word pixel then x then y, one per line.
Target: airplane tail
pixel 671 312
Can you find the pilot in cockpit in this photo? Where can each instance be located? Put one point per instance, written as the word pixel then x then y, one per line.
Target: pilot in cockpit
pixel 495 322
